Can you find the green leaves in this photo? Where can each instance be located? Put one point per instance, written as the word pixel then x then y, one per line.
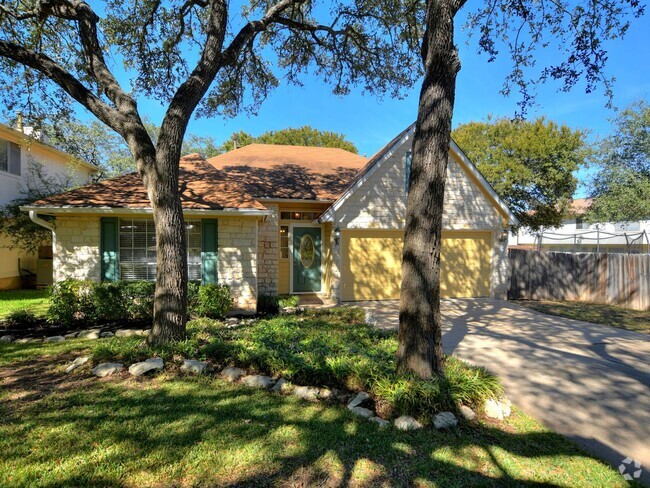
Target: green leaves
pixel 531 165
pixel 301 136
pixel 621 188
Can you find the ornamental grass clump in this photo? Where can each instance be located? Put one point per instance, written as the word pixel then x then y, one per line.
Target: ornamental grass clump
pixel 20 319
pixel 335 348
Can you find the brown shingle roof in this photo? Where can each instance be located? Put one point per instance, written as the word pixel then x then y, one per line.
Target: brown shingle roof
pixel 297 172
pixel 202 187
pixel 233 180
pixel 579 206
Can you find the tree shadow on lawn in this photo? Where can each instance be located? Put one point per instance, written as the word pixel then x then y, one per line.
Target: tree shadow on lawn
pixel 198 431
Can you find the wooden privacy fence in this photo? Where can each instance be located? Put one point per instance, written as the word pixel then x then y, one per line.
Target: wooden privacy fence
pixel 614 279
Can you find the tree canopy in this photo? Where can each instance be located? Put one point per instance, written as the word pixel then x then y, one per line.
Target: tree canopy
pixel 530 164
pixel 621 187
pixel 193 56
pixel 301 136
pixel 96 144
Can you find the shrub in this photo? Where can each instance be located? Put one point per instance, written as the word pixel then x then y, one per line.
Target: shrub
pixel 289 301
pixel 138 298
pixel 193 297
pixel 213 301
pixel 69 301
pixel 21 319
pixel 76 300
pixel 268 304
pixel 108 302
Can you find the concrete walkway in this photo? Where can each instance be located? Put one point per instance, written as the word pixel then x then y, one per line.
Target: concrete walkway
pixel 589 382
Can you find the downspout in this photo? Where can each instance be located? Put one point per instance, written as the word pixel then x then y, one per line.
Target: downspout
pixel 33 216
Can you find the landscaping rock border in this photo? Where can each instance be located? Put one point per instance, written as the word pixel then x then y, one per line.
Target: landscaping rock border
pixel 360 404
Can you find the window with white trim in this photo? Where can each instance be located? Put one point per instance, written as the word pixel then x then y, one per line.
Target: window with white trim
pixel 284 241
pixel 9 157
pixel 138 249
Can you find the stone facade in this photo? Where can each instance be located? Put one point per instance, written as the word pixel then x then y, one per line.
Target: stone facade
pixel 76 254
pixel 76 248
pixel 237 260
pixel 380 203
pixel 268 253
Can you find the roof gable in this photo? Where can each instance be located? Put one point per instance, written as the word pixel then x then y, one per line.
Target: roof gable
pixel 399 146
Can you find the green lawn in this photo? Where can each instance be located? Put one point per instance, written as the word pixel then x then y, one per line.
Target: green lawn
pixel 622 318
pixel 170 430
pixel 36 301
pixel 74 430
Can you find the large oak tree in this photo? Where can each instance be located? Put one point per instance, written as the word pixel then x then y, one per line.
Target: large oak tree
pixel 191 54
pixel 577 30
pixel 530 164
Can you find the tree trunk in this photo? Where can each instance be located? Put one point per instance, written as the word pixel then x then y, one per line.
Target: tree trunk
pixel 420 337
pixel 170 304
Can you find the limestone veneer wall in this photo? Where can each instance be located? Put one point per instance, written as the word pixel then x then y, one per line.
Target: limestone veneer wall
pixel 76 254
pixel 237 260
pixel 380 203
pixel 76 248
pixel 268 253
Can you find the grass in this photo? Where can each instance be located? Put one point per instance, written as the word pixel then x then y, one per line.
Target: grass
pixel 75 430
pixel 332 348
pixel 621 318
pixel 36 301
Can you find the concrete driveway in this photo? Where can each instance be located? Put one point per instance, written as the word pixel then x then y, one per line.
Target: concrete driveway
pixel 589 382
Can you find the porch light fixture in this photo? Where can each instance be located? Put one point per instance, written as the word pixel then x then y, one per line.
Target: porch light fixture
pixel 505 233
pixel 337 236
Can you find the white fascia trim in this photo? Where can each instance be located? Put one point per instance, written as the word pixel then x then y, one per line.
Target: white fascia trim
pixel 146 211
pixel 512 219
pixel 328 216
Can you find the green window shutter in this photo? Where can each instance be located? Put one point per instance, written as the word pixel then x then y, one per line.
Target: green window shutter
pixel 110 248
pixel 209 271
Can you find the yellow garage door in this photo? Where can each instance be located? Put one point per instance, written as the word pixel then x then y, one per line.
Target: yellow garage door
pixel 372 262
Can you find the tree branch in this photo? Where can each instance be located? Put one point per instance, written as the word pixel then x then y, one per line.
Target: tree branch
pixel 250 30
pixel 66 81
pixel 213 58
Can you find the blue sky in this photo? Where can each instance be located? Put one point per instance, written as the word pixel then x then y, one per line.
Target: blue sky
pixel 370 122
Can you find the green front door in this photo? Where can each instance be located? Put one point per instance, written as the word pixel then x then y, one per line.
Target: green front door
pixel 306 259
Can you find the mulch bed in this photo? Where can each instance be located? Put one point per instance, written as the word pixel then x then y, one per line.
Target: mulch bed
pixel 42 328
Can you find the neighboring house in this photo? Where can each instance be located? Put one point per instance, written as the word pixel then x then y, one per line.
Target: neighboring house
pixel 577 235
pixel 269 219
pixel 19 150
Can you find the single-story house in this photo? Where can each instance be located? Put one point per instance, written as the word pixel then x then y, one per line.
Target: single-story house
pixel 271 219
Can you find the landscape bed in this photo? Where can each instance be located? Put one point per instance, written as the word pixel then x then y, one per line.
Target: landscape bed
pixel 62 429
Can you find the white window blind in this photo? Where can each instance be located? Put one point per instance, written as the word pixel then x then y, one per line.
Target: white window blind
pixel 138 249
